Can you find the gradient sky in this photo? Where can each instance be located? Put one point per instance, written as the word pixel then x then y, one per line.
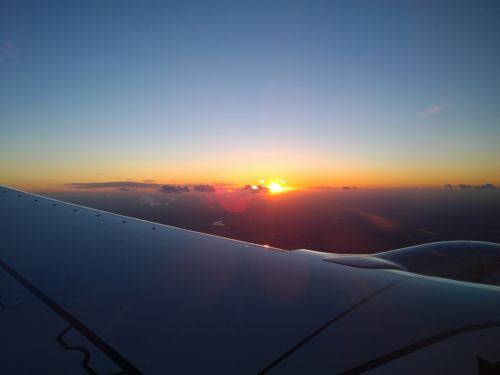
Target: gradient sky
pixel 365 93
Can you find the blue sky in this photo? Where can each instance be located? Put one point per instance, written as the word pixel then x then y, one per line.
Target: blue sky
pixel 348 92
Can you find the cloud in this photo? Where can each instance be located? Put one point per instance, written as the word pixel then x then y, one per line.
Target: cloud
pixel 111 184
pixel 146 184
pixel 431 110
pixel 255 189
pixel 8 49
pixel 169 189
pixel 174 189
pixel 326 187
pixel 486 187
pixel 204 188
pixel 218 223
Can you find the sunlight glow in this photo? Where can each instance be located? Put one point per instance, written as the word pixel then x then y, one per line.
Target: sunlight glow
pixel 275 188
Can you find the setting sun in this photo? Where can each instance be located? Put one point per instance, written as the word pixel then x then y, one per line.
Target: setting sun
pixel 275 188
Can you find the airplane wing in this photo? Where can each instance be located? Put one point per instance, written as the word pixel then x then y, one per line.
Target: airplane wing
pixel 91 292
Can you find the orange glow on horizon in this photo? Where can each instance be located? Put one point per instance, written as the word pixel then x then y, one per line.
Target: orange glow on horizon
pixel 316 178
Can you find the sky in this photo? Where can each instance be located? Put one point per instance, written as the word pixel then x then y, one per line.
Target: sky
pixel 331 93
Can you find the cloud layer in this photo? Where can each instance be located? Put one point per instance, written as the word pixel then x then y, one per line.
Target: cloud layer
pixel 147 184
pixel 111 184
pixel 486 186
pixel 255 189
pixel 169 189
pixel 204 188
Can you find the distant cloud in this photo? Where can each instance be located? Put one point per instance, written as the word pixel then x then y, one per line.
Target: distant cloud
pixel 111 184
pixel 204 188
pixel 218 223
pixel 255 189
pixel 146 184
pixel 174 189
pixel 486 187
pixel 326 187
pixel 8 49
pixel 169 189
pixel 431 110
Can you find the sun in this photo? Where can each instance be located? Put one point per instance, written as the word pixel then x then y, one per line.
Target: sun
pixel 275 188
